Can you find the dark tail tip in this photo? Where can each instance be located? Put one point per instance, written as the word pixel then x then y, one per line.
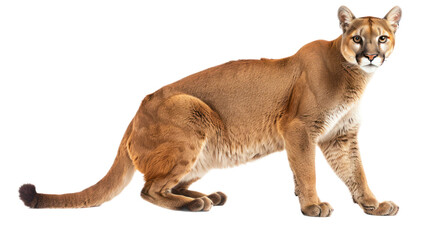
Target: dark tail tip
pixel 27 193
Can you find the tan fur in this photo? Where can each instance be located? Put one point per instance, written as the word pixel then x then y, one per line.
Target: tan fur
pixel 243 110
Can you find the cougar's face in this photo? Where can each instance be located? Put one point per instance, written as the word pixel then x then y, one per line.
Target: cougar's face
pixel 368 41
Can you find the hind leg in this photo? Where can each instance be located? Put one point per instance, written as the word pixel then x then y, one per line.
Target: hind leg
pixel 160 192
pixel 168 135
pixel 218 198
pixel 164 167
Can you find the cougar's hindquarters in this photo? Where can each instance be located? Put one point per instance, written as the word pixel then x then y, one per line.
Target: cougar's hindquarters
pixel 168 135
pixel 109 186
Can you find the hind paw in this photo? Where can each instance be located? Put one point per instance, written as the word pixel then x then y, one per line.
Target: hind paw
pixel 200 204
pixel 218 198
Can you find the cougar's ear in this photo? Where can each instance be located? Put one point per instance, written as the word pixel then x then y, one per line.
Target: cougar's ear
pixel 393 17
pixel 346 17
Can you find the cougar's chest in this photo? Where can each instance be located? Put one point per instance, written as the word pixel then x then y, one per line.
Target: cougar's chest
pixel 337 121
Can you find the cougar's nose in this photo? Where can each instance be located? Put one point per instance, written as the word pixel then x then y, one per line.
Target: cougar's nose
pixel 371 56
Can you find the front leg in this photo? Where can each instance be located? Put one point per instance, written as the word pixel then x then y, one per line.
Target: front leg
pixel 301 154
pixel 342 153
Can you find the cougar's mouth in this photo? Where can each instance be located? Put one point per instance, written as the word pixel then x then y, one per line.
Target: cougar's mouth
pixel 370 68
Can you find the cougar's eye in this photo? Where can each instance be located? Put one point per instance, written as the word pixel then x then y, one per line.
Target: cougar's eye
pixel 357 39
pixel 383 39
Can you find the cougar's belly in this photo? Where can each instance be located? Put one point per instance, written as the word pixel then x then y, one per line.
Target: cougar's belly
pixel 224 154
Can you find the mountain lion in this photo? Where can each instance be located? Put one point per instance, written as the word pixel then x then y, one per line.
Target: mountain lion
pixel 243 110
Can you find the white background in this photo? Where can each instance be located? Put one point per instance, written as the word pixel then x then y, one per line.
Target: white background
pixel 73 74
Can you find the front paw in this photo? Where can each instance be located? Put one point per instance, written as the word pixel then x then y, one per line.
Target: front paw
pixel 318 210
pixel 372 207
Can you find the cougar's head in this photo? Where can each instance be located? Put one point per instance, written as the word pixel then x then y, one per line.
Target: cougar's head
pixel 368 41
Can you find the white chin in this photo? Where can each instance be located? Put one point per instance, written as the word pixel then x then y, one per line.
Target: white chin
pixel 369 68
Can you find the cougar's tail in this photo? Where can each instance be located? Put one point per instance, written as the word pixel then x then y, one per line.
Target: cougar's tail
pixel 108 187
